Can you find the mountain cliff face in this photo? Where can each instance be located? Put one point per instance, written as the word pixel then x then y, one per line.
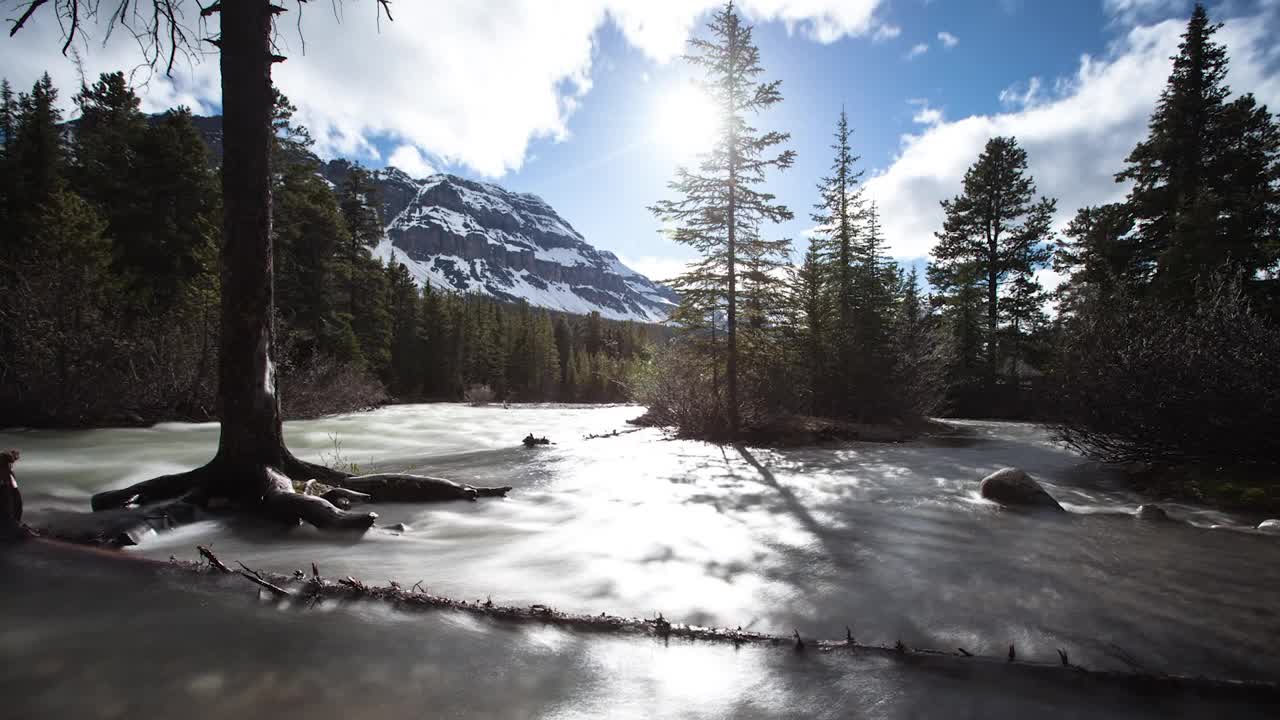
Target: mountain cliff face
pixel 477 237
pixel 466 236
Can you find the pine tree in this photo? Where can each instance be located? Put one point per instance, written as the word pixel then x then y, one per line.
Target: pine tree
pixel 810 312
pixel 403 306
pixel 176 224
pixel 920 353
pixel 290 142
pixel 1099 255
pixel 362 275
pixel 8 144
pixel 839 213
pixel 8 116
pixel 65 290
pixel 108 136
pixel 870 360
pixel 1206 180
pixel 721 205
pixel 37 161
pixel 994 232
pixel 564 351
pixel 307 231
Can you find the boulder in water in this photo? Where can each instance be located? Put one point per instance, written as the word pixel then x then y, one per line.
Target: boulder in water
pixel 1270 526
pixel 1153 513
pixel 398 527
pixel 1011 486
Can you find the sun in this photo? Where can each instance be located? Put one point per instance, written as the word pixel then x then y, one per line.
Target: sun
pixel 686 122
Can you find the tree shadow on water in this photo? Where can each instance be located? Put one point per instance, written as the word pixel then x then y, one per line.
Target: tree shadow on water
pixel 797 509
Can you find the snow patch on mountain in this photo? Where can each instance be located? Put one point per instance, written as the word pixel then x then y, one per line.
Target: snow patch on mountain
pixel 472 237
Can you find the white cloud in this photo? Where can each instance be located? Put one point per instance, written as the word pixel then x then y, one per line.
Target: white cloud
pixel 411 160
pixel 1134 11
pixel 917 50
pixel 472 85
pixel 1076 136
pixel 925 115
pixel 886 32
pixel 1022 94
pixel 948 40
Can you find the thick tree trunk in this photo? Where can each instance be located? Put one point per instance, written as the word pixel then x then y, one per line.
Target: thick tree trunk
pixel 249 408
pixel 251 454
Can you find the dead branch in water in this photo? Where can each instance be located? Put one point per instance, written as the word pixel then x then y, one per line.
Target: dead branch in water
pixel 207 554
pixel 615 433
pixel 255 577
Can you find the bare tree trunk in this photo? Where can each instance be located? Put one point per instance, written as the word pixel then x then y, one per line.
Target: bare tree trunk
pixel 993 320
pixel 731 322
pixel 731 319
pixel 249 408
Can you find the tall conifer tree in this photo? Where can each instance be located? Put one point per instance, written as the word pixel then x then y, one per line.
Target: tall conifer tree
pixel 995 232
pixel 721 203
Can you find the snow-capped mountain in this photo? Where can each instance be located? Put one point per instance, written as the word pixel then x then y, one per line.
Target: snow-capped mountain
pixel 468 236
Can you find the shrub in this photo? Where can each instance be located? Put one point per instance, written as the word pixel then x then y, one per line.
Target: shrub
pixel 478 395
pixel 680 388
pixel 321 385
pixel 1143 381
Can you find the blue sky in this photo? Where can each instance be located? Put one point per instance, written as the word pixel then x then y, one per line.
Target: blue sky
pixel 576 105
pixel 999 45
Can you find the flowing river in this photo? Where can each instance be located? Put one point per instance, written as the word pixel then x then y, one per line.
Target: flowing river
pixel 890 540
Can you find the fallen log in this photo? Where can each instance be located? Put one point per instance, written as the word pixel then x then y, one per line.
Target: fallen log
pixel 306 592
pixel 398 487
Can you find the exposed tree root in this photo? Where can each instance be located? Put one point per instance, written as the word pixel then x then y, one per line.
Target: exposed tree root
pixel 305 591
pixel 165 487
pixel 273 493
pixel 282 502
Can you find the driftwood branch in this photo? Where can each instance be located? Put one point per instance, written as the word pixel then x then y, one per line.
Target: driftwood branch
pixel 256 578
pixel 207 554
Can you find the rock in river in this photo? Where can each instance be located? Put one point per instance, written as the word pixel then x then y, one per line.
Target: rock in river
pixel 1270 526
pixel 1153 513
pixel 1011 486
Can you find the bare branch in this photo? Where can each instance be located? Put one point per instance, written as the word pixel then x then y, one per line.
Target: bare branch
pixel 253 576
pixel 75 25
pixel 207 554
pixel 31 8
